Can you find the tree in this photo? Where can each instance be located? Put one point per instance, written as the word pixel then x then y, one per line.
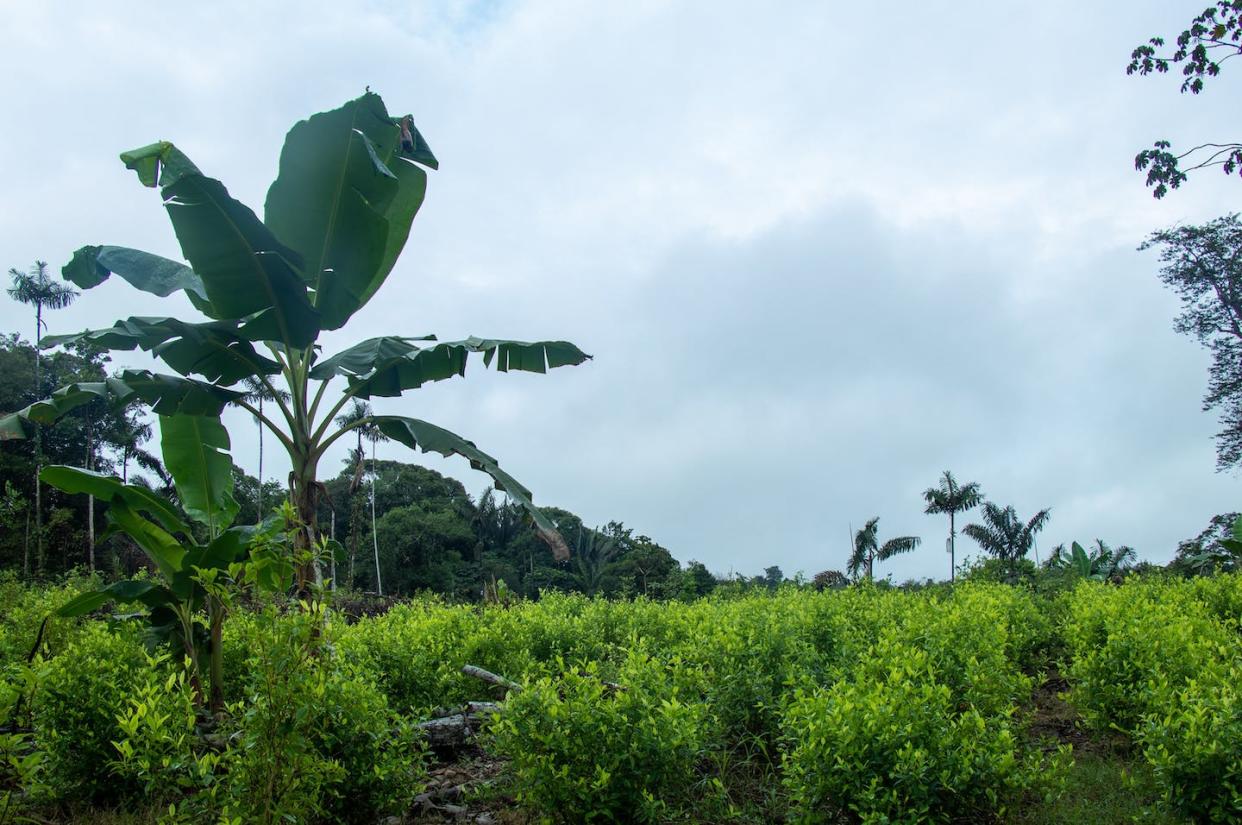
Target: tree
pixel 1218 546
pixel 952 498
pixel 829 580
pixel 593 555
pixel 93 435
pixel 697 581
pixel 1213 37
pixel 373 434
pixel 1202 265
pixel 1003 535
pixel 867 549
pixel 36 288
pixel 335 220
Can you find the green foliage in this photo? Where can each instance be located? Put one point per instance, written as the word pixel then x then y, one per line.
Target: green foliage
pixel 892 744
pixel 1214 36
pixel 79 695
pixel 1202 266
pixel 585 751
pixel 1159 660
pixel 315 738
pixel 1194 743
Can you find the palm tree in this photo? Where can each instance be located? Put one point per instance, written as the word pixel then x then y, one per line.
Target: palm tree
pixel 592 557
pixel 37 288
pixel 372 433
pixel 361 411
pixel 1003 535
pixel 952 498
pixel 258 391
pixel 867 549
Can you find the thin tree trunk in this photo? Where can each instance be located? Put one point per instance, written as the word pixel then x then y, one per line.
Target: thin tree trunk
pixel 260 518
pixel 379 585
pixel 952 549
pixel 38 447
pixel 26 549
pixel 90 504
pixel 333 562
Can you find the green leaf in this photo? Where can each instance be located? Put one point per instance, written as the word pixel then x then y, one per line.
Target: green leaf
pixel 84 603
pixel 196 454
pixel 108 488
pixel 390 365
pixel 159 164
pixel 417 434
pixel 162 548
pixel 218 350
pixel 339 202
pixel 165 394
pixel 92 265
pixel 132 590
pixel 244 268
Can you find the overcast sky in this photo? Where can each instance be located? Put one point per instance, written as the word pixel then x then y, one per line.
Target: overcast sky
pixel 820 253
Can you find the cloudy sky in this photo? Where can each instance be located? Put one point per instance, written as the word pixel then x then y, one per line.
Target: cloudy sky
pixel 819 253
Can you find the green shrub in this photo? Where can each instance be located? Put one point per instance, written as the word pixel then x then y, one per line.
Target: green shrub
pixel 889 744
pixel 1123 641
pixel 75 711
pixel 314 739
pixel 582 751
pixel 157 748
pixel 1194 743
pixel 23 610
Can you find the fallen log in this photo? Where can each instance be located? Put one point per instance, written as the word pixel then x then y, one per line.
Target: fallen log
pixel 488 676
pixel 456 729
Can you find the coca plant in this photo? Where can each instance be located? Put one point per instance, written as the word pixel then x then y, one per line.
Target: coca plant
pixel 335 220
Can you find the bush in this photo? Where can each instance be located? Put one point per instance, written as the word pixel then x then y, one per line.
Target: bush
pixel 75 712
pixel 314 738
pixel 889 745
pixel 1194 743
pixel 1123 641
pixel 584 751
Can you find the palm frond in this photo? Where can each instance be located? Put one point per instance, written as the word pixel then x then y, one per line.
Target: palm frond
pixel 902 544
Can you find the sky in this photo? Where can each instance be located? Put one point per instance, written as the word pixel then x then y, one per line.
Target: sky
pixel 820 255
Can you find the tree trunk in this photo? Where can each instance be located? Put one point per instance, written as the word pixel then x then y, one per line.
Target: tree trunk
pixel 38 447
pixel 379 584
pixel 260 518
pixel 90 505
pixel 952 549
pixel 305 504
pixel 332 574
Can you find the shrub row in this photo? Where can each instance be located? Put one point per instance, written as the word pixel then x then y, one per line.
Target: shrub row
pixel 1160 661
pixel 873 704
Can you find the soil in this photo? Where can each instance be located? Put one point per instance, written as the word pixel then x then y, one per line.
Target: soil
pixel 1055 720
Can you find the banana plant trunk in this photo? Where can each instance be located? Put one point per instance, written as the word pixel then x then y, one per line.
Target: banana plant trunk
pixel 305 495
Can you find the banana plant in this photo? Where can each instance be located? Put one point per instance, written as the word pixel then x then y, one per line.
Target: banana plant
pixel 1102 563
pixel 176 599
pixel 349 185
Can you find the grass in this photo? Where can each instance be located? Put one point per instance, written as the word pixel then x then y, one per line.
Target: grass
pixel 1102 787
